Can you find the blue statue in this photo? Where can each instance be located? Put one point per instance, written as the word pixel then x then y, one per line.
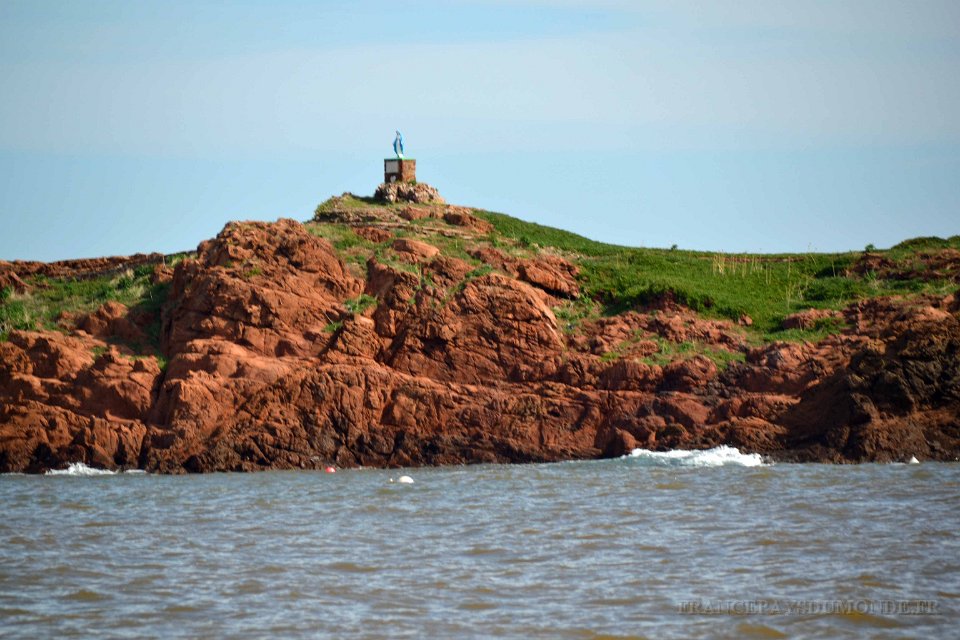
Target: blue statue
pixel 398 145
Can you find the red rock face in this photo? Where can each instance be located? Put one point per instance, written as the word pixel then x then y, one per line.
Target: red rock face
pixel 462 217
pixel 269 288
pixel 61 401
pixel 270 367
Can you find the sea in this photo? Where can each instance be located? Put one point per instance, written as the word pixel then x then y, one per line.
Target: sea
pixel 713 544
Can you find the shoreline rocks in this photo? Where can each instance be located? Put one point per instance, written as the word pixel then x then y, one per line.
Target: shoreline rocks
pixel 271 365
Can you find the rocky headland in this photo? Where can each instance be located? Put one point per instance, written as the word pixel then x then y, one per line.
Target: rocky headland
pixel 406 331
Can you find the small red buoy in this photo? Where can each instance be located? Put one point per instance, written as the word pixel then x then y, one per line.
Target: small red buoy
pixel 330 470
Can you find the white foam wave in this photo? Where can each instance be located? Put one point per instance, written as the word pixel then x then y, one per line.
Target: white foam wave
pixel 80 469
pixel 717 457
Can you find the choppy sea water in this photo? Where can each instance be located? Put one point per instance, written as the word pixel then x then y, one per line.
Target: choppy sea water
pixel 650 546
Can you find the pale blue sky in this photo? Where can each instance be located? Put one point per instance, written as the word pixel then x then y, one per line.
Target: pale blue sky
pixel 750 125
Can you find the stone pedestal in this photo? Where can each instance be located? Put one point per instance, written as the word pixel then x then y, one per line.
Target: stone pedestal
pixel 399 170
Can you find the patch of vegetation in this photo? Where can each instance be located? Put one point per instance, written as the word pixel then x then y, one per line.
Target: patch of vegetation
pixel 426 224
pixel 452 247
pixel 352 248
pixel 530 233
pixel 764 287
pixel 668 352
pixel 425 284
pixel 333 327
pixel 820 330
pixel 723 358
pixel 830 288
pixel 341 236
pixel 479 272
pixel 172 260
pixel 346 202
pixel 50 298
pixel 387 256
pixel 610 356
pixel 571 314
pixel 361 303
pixel 13 314
pixel 928 243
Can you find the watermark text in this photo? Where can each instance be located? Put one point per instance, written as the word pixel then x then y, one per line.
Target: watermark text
pixel 809 607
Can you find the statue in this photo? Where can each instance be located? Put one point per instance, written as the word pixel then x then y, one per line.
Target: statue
pixel 398 145
pixel 400 168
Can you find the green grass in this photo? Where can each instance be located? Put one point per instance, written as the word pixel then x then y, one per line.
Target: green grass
pixel 48 298
pixel 479 272
pixel 341 236
pixel 571 314
pixel 13 314
pixel 343 203
pixel 820 330
pixel 388 257
pixel 723 358
pixel 668 352
pixel 765 287
pixel 361 303
pixel 530 233
pixel 352 248
pixel 452 247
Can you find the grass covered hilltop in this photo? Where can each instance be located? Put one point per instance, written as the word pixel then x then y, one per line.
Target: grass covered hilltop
pixel 766 288
pixel 407 333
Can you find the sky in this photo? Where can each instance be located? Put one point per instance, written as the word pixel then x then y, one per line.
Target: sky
pixel 747 125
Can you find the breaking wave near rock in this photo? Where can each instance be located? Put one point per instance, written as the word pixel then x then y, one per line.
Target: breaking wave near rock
pixel 80 469
pixel 722 456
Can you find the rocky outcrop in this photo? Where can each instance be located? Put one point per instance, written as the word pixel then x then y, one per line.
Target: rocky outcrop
pixel 553 274
pixel 901 393
pixel 461 217
pixel 68 398
pixel 270 361
pixel 268 288
pixel 414 250
pixel 416 192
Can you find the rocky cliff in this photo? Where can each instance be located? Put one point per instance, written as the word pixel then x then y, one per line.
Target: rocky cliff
pixel 414 335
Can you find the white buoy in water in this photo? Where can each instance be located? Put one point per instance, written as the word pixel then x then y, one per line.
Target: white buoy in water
pixel 405 480
pixel 913 460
